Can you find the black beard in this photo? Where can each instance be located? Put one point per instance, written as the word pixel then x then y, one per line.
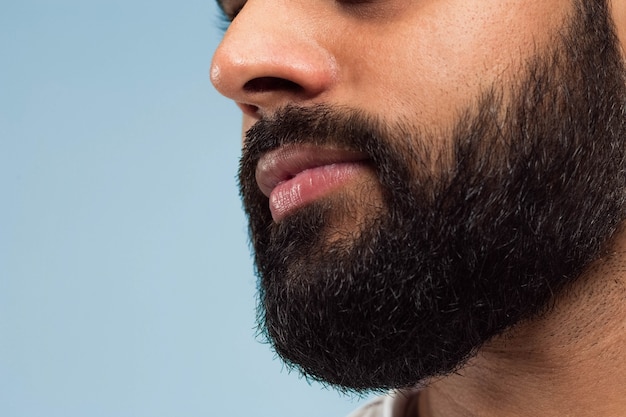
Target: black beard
pixel 468 242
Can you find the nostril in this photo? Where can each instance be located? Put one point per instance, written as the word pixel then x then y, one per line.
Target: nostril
pixel 263 84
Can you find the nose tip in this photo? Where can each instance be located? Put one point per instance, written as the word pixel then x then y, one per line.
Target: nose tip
pixel 265 68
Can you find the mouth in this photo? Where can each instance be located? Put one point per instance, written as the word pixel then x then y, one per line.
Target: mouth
pixel 294 176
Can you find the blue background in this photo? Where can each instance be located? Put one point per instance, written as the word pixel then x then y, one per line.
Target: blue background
pixel 126 283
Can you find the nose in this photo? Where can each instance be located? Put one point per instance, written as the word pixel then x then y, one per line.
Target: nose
pixel 271 56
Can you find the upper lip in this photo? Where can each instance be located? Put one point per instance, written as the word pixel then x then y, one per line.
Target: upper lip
pixel 285 163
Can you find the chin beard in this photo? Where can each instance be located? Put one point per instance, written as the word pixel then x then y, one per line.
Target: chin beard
pixel 466 242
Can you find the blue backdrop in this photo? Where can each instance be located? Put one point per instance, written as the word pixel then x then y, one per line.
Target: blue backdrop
pixel 126 284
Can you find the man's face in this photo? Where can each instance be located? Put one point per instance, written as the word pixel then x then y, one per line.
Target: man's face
pixel 420 175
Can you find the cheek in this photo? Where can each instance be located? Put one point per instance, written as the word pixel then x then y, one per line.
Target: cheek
pixel 441 58
pixel 618 10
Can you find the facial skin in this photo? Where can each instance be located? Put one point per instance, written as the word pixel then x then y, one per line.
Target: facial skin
pixel 413 281
pixel 330 52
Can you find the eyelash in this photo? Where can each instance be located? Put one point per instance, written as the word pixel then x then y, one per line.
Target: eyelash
pixel 225 19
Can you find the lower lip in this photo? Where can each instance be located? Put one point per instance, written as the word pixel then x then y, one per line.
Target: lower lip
pixel 310 185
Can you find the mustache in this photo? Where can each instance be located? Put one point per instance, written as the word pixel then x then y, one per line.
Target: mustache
pixel 319 125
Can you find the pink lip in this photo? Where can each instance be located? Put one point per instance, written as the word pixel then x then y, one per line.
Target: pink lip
pixel 294 176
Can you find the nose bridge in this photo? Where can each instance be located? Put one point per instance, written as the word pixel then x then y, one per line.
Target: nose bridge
pixel 271 55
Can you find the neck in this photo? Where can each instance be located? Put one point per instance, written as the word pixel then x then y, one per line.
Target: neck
pixel 568 362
